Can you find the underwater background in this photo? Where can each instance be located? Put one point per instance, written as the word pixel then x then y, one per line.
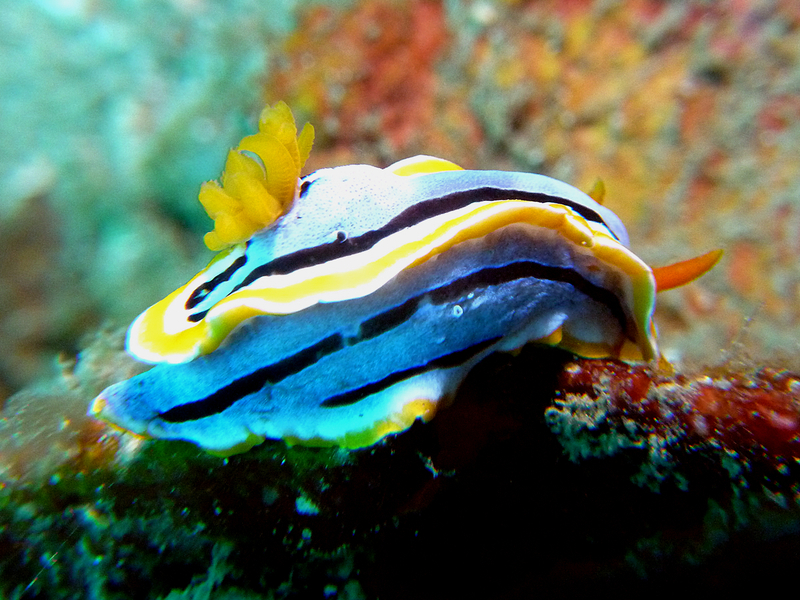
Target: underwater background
pixel 115 111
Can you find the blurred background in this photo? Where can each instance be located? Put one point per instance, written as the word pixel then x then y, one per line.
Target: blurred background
pixel 114 111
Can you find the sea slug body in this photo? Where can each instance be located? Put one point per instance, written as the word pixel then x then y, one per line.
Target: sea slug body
pixel 364 305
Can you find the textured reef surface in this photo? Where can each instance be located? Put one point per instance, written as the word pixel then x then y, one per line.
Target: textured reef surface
pixel 547 473
pixel 544 472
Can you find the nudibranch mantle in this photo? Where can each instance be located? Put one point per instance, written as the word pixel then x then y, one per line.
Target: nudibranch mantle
pixel 327 249
pixel 365 305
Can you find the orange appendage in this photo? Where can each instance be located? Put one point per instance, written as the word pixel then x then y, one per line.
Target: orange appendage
pixel 686 271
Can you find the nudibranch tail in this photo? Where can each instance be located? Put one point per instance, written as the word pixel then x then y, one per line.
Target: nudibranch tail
pixel 685 271
pixel 253 194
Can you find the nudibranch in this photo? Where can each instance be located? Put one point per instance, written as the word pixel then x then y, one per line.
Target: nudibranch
pixel 347 304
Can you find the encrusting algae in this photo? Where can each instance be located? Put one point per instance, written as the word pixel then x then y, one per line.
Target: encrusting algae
pixel 256 192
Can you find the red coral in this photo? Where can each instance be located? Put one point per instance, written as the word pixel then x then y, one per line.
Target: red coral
pixel 744 412
pixel 757 414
